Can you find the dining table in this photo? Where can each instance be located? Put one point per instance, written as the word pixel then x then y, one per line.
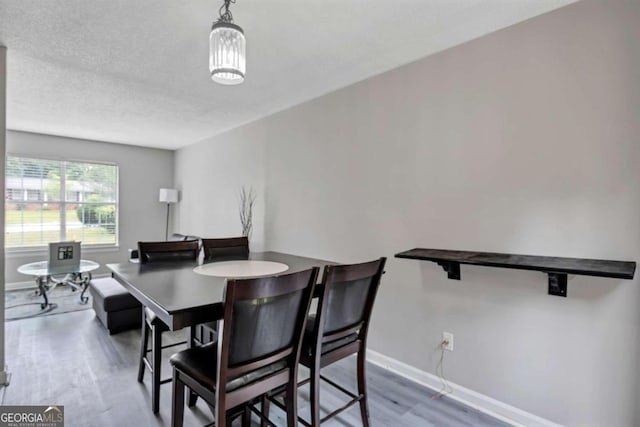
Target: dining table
pixel 185 294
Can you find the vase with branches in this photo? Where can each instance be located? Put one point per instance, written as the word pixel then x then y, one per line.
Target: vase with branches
pixel 247 199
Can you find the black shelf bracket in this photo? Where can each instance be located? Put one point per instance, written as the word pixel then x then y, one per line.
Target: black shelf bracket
pixel 557 284
pixel 452 268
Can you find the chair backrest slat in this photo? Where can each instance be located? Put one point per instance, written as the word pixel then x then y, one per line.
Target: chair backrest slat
pixel 347 298
pixel 225 249
pixel 169 251
pixel 263 320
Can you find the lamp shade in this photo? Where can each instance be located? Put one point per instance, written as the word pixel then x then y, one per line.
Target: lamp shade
pixel 168 195
pixel 227 53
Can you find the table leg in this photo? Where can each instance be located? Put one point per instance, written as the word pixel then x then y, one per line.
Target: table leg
pixel 85 285
pixel 42 287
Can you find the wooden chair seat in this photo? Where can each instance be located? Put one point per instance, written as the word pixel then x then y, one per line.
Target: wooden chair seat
pixel 201 364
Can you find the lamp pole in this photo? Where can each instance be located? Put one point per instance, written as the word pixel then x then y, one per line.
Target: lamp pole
pixel 166 233
pixel 168 196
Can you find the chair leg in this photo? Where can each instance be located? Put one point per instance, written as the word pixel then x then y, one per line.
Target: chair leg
pixel 362 387
pixel 192 397
pixel 156 354
pixel 177 401
pixel 246 416
pixel 265 410
pixel 291 403
pixel 314 394
pixel 143 348
pixel 221 416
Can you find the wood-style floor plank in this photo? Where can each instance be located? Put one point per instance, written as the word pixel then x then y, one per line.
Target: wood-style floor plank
pixel 71 360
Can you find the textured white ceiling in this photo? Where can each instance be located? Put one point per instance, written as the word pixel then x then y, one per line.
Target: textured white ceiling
pixel 136 72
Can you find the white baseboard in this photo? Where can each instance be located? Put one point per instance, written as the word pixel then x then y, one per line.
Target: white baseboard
pixel 480 402
pixel 31 284
pixel 16 286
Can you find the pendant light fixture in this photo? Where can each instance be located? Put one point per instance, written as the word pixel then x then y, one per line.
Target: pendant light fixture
pixel 226 49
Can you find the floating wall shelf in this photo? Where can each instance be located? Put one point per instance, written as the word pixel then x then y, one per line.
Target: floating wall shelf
pixel 556 267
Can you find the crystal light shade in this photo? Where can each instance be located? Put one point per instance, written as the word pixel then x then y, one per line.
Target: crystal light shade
pixel 227 53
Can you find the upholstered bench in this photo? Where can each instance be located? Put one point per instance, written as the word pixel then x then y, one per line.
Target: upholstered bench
pixel 116 308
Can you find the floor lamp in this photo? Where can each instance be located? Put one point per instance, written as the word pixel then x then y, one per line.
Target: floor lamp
pixel 168 196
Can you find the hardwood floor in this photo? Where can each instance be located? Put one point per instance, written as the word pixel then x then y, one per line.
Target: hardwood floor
pixel 70 359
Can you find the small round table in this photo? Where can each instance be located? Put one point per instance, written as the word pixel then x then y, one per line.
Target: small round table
pixel 78 277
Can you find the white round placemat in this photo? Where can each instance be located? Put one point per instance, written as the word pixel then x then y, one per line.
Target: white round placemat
pixel 242 268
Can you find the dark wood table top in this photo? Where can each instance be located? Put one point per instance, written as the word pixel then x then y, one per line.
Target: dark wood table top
pixel 183 298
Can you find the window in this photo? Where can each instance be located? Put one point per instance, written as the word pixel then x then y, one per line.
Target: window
pixel 34 195
pixel 51 200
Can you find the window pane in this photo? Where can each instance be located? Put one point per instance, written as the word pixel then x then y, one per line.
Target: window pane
pixel 32 180
pixel 92 223
pixel 38 211
pixel 32 224
pixel 90 182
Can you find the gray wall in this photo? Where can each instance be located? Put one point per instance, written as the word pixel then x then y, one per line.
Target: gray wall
pixel 523 141
pixel 210 176
pixel 143 171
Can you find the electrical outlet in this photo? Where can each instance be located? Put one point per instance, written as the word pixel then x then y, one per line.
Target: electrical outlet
pixel 447 341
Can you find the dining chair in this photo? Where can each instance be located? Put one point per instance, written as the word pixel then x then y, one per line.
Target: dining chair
pixel 159 252
pixel 134 253
pixel 337 330
pixel 222 249
pixel 215 250
pixel 257 351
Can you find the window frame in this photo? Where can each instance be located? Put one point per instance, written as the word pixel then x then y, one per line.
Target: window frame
pixel 90 247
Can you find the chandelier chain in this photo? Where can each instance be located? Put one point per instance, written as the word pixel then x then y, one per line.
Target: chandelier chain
pixel 225 13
